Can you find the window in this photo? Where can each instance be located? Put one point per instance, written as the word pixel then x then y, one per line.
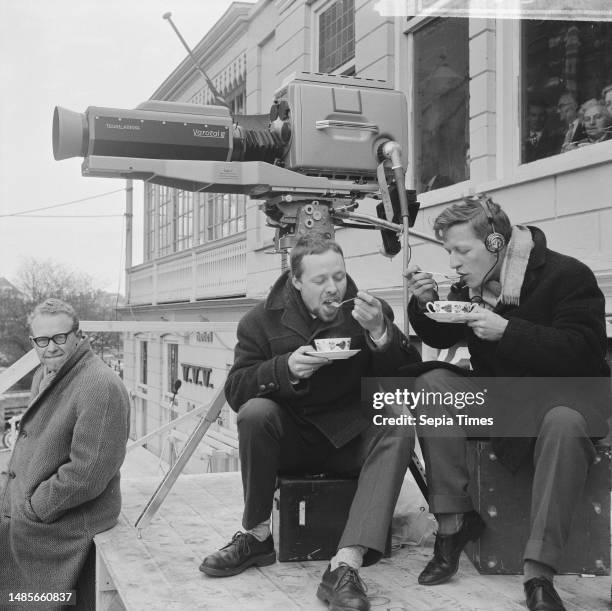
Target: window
pixel 149 222
pixel 143 362
pixel 166 215
pixel 226 215
pixel 201 199
pixel 566 71
pixel 172 366
pixel 236 100
pixel 219 215
pixel 183 225
pixel 336 35
pixel 441 83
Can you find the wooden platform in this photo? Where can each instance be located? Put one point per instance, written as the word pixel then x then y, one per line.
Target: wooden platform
pixel 160 571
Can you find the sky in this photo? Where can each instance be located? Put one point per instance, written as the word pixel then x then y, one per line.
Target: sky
pixel 75 54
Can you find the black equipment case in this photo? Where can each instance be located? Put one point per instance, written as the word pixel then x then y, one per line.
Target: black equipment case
pixel 503 500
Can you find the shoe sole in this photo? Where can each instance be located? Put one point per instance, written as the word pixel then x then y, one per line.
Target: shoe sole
pixel 439 582
pixel 262 560
pixel 324 595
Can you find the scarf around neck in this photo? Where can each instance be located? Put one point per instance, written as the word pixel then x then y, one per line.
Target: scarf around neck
pixel 507 290
pixel 514 265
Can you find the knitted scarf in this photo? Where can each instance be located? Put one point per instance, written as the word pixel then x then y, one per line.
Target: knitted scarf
pixel 507 289
pixel 514 265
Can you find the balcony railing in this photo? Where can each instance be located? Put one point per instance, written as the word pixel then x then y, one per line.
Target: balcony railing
pixel 203 272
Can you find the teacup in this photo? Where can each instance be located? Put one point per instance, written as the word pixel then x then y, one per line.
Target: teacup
pixel 450 307
pixel 333 344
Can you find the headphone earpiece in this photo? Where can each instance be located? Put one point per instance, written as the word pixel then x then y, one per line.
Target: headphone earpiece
pixel 494 241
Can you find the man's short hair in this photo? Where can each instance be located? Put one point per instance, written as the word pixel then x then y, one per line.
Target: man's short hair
pixel 537 101
pixel 471 210
pixel 568 95
pixel 54 306
pixel 314 244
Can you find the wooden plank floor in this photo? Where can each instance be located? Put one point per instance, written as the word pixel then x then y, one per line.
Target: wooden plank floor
pixel 160 571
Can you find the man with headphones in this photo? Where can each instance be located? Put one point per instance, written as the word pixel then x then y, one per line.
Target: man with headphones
pixel 539 318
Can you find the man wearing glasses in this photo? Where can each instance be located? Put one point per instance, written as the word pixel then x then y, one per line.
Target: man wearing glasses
pixel 62 483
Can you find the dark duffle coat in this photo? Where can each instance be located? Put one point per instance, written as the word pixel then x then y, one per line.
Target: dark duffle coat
pixel 62 482
pixel 557 331
pixel 330 399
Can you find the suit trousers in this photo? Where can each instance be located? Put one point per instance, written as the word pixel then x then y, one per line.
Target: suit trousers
pixel 271 442
pixel 561 458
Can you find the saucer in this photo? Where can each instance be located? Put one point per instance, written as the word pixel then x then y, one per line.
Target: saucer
pixel 334 355
pixel 448 317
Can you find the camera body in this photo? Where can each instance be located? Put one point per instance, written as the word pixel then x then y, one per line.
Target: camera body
pixel 338 123
pixel 319 125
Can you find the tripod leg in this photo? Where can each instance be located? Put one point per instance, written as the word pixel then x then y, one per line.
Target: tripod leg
pixel 155 502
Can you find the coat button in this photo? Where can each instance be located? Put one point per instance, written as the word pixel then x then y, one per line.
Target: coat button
pixel 12 475
pixel 271 385
pixel 262 387
pixel 23 433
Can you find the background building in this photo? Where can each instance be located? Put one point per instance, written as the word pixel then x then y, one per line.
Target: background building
pixel 487 112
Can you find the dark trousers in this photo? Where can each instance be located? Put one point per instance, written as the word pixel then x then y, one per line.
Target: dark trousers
pixel 562 456
pixel 270 442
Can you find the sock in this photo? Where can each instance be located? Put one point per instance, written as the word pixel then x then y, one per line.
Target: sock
pixel 532 568
pixel 351 555
pixel 262 531
pixel 449 523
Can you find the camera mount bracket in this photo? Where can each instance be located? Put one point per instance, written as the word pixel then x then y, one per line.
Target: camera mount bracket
pixel 294 203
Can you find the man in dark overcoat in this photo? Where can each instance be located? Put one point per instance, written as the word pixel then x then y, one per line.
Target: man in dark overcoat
pixel 300 412
pixel 62 482
pixel 539 141
pixel 540 315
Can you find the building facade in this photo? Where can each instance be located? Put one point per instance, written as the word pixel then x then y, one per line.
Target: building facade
pixel 491 107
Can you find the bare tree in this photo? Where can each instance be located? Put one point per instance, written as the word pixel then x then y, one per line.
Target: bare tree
pixel 38 280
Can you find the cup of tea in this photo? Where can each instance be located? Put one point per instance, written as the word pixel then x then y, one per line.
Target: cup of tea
pixel 333 344
pixel 450 307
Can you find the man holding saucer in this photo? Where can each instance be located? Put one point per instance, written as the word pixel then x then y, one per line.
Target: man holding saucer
pixel 300 412
pixel 540 315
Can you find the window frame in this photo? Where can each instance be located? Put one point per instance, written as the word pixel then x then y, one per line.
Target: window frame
pixel 171 347
pixel 510 170
pixel 143 362
pixel 443 194
pixel 347 67
pixel 191 219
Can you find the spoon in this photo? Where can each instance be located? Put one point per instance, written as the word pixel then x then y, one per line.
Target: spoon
pixel 447 276
pixel 335 304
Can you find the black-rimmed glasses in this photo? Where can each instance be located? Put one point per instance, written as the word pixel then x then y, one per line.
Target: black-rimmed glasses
pixel 59 339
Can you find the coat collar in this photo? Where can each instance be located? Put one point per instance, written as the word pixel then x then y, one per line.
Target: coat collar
pixel 537 259
pixel 83 351
pixel 285 297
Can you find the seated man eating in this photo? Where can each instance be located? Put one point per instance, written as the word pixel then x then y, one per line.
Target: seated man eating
pixel 300 412
pixel 540 314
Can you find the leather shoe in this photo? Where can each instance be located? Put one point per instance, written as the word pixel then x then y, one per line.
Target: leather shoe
pixel 243 551
pixel 447 550
pixel 343 590
pixel 541 595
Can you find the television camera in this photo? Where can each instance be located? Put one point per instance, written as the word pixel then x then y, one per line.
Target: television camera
pixel 328 142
